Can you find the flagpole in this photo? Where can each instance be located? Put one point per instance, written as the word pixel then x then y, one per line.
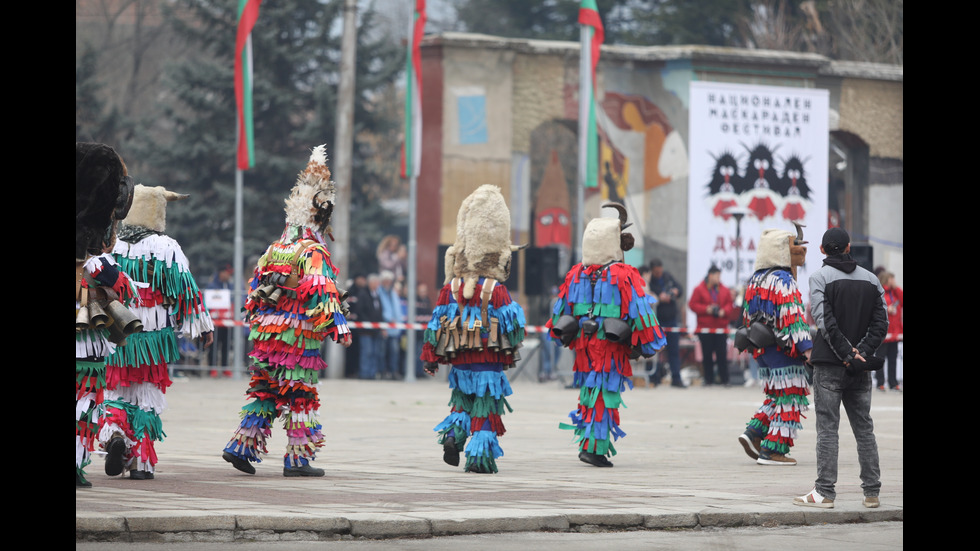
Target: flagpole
pixel 410 354
pixel 584 98
pixel 411 158
pixel 236 293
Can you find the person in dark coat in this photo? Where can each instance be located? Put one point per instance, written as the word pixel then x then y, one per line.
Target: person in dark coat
pixel 669 292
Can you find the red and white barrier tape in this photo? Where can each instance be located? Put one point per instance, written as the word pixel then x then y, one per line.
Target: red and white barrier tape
pixel 528 329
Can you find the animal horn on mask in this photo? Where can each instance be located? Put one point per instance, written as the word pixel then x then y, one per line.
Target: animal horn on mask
pixel 626 240
pixel 799 233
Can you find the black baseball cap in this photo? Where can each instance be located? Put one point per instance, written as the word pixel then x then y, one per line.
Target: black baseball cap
pixel 835 240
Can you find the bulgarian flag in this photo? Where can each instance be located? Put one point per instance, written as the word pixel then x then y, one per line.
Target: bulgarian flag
pixel 593 35
pixel 248 12
pixel 412 148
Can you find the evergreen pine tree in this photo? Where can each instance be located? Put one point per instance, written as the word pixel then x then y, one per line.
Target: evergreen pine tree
pixel 296 59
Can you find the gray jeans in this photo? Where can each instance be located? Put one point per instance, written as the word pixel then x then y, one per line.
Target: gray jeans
pixel 831 388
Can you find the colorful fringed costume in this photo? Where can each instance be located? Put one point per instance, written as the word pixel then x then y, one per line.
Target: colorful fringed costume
pixel 286 338
pixel 772 301
pixel 602 369
pixel 479 337
pixel 92 346
pixel 103 197
pixel 772 296
pixel 478 329
pixel 137 374
pixel 293 306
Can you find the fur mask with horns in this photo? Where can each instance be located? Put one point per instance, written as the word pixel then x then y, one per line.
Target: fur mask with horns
pixel 310 203
pixel 605 240
pixel 483 247
pixel 781 249
pixel 150 207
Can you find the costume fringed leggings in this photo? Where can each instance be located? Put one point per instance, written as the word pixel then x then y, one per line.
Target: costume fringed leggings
pixel 596 420
pixel 778 420
pixel 137 378
pixel 602 373
pixel 477 403
pixel 291 393
pixel 138 427
pixel 89 388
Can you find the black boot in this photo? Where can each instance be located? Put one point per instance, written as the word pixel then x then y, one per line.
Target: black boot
pixel 305 470
pixel 114 458
pixel 239 463
pixel 594 459
pixel 449 452
pixel 140 475
pixel 80 481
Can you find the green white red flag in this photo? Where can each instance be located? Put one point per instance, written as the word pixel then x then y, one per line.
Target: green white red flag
pixel 411 155
pixel 248 13
pixel 592 37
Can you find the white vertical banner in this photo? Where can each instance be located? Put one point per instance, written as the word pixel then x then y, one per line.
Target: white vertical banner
pixel 758 151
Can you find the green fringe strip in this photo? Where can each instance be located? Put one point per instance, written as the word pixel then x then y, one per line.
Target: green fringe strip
pixel 458 433
pixel 478 406
pixel 143 423
pixel 84 370
pixel 148 348
pixel 589 396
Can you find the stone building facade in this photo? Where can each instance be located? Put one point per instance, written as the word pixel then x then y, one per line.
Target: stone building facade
pixel 505 112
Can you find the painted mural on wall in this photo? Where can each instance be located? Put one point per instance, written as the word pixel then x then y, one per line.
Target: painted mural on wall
pixel 639 151
pixel 553 208
pixel 758 160
pixel 553 164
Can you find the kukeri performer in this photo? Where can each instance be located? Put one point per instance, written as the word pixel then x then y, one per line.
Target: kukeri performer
pixel 293 306
pixel 103 196
pixel 137 373
pixel 777 333
pixel 605 317
pixel 476 328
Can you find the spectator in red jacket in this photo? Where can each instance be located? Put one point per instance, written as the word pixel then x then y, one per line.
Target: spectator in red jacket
pixel 714 306
pixel 895 303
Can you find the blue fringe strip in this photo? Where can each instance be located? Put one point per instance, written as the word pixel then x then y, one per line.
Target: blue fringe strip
pixel 511 317
pixel 484 443
pixel 605 300
pixel 288 462
pixel 458 422
pixel 613 381
pixel 241 449
pixel 474 380
pixel 482 452
pixel 596 432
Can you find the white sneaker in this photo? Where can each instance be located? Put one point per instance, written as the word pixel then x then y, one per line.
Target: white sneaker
pixel 813 499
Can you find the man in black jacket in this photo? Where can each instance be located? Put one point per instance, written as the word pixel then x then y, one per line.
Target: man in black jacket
pixel 848 308
pixel 668 292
